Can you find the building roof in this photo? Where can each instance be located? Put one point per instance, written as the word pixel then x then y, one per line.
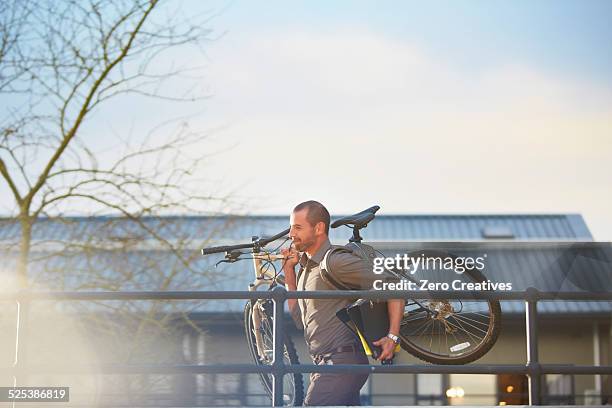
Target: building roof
pixel 383 228
pixel 525 265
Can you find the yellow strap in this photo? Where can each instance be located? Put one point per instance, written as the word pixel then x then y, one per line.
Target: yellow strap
pixel 366 348
pixel 364 344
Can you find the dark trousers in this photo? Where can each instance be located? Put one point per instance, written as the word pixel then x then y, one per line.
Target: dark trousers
pixel 337 388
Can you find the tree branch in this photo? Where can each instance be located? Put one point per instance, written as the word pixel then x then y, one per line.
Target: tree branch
pixel 10 182
pixel 85 106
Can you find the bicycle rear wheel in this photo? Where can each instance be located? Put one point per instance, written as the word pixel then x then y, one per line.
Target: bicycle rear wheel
pixel 450 331
pixel 293 385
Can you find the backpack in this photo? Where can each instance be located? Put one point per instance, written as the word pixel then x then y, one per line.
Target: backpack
pixel 368 320
pixel 363 251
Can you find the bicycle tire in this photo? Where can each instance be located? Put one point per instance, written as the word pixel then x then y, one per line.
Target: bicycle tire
pixel 493 329
pixel 292 399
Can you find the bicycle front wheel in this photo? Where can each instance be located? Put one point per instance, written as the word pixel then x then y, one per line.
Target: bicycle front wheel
pixel 293 385
pixel 450 331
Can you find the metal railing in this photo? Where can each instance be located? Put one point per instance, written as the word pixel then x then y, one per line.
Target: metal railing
pixel 533 368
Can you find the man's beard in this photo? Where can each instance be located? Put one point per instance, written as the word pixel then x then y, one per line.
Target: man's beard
pixel 301 246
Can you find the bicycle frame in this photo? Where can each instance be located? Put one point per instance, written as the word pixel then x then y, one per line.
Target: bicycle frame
pixel 263 276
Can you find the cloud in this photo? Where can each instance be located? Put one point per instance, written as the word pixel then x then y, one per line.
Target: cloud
pixel 394 124
pixel 358 68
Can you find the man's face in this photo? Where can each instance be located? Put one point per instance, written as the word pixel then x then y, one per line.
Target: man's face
pixel 301 233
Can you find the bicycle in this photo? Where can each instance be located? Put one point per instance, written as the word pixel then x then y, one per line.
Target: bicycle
pixel 472 326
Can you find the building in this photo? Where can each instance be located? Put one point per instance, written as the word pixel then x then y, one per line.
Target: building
pixel 106 253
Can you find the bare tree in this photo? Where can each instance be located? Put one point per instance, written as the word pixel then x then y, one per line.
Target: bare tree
pixel 60 62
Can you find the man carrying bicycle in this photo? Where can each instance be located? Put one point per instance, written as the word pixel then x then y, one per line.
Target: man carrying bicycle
pixel 329 340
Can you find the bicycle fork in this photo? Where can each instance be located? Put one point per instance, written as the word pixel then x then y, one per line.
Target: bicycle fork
pixel 256 319
pixel 256 312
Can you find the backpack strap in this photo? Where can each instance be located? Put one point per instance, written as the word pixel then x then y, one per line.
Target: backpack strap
pixel 298 275
pixel 327 274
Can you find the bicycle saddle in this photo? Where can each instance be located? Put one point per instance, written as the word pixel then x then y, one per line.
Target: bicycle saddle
pixel 358 220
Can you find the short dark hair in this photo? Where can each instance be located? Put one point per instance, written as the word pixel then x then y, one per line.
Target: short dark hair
pixel 316 213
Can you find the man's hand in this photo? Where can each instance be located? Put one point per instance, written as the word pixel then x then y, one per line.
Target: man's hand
pixel 291 259
pixel 388 348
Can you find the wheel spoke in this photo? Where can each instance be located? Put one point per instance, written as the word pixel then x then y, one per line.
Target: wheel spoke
pixel 461 318
pixel 446 339
pixel 473 320
pixel 427 323
pixel 426 315
pixel 473 336
pixel 418 328
pixel 433 326
pixel 487 315
pixel 440 338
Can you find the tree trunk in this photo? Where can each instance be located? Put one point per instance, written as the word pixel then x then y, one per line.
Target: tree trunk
pixel 24 249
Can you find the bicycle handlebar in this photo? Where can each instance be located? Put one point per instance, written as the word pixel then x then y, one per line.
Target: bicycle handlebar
pixel 261 242
pixel 226 248
pixel 266 241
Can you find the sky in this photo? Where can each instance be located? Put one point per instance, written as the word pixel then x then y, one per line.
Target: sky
pixel 420 107
pixel 451 107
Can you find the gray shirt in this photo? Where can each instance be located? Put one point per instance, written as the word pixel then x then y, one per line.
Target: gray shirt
pixel 323 331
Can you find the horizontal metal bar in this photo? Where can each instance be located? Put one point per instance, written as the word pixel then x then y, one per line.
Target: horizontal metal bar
pixel 530 294
pixel 515 295
pixel 574 369
pixel 311 368
pixel 136 295
pixel 142 369
pixel 409 369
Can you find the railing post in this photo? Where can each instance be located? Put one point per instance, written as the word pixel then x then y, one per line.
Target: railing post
pixel 533 363
pixel 278 365
pixel 21 340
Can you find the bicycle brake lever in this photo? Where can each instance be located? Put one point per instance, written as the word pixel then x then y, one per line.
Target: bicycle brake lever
pixel 233 254
pixel 230 257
